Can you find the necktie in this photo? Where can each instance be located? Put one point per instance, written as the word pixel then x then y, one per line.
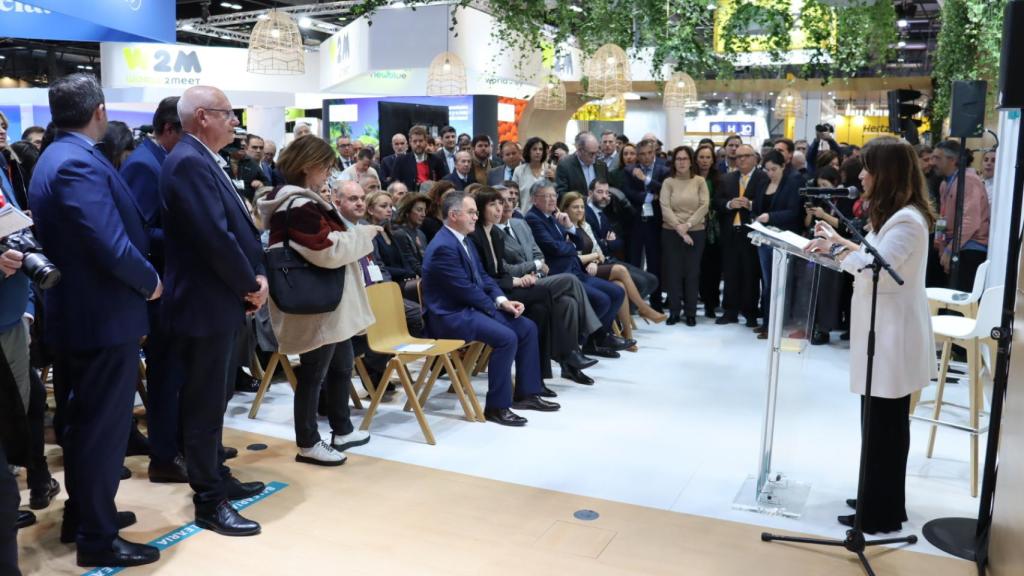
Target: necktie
pixel 472 262
pixel 508 230
pixel 743 192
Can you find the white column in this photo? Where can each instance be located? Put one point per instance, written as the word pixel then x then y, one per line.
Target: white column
pixel 811 117
pixel 267 122
pixel 1002 196
pixel 675 128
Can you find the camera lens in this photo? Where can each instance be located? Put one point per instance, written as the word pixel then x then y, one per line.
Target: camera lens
pixel 41 270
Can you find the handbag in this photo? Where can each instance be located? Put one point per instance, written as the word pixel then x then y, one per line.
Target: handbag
pixel 297 286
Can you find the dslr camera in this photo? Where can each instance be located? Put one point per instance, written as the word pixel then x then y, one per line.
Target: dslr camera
pixel 824 128
pixel 35 264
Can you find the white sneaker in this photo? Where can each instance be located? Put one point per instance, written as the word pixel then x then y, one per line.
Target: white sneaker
pixel 320 454
pixel 355 438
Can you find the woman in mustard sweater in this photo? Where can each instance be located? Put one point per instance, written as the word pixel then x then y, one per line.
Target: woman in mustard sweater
pixel 684 206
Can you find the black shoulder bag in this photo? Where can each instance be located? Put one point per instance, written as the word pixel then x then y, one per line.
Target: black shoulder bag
pixel 297 286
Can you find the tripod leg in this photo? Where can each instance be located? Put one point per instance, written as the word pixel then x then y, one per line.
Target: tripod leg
pixel 912 539
pixel 767 537
pixel 865 563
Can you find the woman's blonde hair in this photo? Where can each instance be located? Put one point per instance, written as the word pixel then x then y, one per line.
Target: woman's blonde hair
pixel 567 201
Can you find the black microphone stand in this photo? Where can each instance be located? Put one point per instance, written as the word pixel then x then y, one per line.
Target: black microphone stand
pixel 855 541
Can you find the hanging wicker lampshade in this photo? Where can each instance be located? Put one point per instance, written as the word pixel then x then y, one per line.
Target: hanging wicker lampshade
pixel 275 46
pixel 612 108
pixel 789 102
pixel 551 95
pixel 608 72
pixel 446 76
pixel 680 91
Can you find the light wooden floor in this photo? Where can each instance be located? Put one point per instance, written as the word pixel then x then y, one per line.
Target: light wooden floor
pixel 377 517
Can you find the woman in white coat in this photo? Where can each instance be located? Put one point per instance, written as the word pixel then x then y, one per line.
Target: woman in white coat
pixel 900 219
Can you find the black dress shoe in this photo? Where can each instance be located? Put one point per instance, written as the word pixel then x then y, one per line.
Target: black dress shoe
pixel 246 383
pixel 41 498
pixel 173 472
pixel 852 503
pixel 229 453
pixel 751 323
pixel 69 528
pixel 673 319
pixel 845 336
pixel 617 343
pixel 846 520
pixel 537 403
pixel 601 351
pixel 237 490
pixel 125 473
pixel 121 553
pixel 138 444
pixel 25 519
pixel 547 392
pixel 691 321
pixel 577 360
pixel 710 313
pixel 503 416
pixel 577 376
pixel 224 520
pixel 819 337
pixel 722 320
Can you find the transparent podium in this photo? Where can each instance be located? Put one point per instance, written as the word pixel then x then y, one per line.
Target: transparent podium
pixel 795 286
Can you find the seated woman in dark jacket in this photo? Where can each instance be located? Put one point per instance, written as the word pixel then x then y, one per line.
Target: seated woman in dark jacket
pixel 409 237
pixel 379 212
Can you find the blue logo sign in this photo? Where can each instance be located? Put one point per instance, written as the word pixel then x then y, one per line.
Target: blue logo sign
pixel 741 128
pixel 99 21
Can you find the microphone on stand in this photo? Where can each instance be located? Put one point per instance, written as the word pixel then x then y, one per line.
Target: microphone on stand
pixel 851 192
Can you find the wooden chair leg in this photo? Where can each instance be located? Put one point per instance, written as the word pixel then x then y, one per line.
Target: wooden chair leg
pixel 44 374
pixel 420 386
pixel 289 372
pixel 140 385
pixel 947 349
pixel 264 384
pixel 974 383
pixel 481 363
pixel 255 367
pixel 459 370
pixel 460 387
pixel 364 375
pixel 403 376
pixel 354 395
pixel 378 393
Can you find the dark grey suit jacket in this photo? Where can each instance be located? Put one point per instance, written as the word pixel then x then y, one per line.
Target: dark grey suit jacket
pixel 569 175
pixel 522 251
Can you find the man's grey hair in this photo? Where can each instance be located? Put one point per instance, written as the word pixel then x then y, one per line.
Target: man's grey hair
pixel 193 99
pixel 539 186
pixel 394 186
pixel 452 202
pixel 581 138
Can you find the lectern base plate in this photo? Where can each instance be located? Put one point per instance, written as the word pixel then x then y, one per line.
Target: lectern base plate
pixel 781 496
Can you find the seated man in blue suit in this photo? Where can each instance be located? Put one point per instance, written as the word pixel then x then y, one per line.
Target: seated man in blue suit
pixel 215 275
pixel 93 231
pixel 142 173
pixel 560 241
pixel 462 302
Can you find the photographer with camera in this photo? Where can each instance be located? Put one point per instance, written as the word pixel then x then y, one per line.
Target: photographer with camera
pixel 824 139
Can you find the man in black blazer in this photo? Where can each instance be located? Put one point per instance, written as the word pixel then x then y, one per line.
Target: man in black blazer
pixel 600 205
pixel 215 276
pixel 575 172
pixel 740 266
pixel 446 151
pixel 642 186
pixel 417 166
pixel 463 174
pixel 512 157
pixel 400 145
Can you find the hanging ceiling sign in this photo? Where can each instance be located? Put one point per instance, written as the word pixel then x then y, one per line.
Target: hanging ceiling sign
pixel 98 21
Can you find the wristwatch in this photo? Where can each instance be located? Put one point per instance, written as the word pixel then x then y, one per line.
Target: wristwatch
pixel 836 249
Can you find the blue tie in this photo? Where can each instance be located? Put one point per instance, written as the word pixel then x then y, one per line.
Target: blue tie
pixel 472 261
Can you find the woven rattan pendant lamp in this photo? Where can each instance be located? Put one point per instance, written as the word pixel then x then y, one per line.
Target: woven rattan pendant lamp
pixel 789 102
pixel 551 95
pixel 680 92
pixel 608 73
pixel 447 74
pixel 275 46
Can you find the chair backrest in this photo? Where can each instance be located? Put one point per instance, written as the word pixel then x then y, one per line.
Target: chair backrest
pixel 979 281
pixel 389 311
pixel 989 312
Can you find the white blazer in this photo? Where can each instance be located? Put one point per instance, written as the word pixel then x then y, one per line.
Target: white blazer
pixel 904 343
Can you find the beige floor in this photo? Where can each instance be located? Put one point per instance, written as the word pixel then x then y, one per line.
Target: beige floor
pixel 377 517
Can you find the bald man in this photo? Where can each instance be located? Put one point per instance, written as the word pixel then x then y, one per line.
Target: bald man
pixel 214 277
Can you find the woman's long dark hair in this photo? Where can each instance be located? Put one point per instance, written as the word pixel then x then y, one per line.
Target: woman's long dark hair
pixel 116 141
pixel 898 181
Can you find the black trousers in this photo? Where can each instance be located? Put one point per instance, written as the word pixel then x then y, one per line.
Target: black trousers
pixel 969 262
pixel 742 272
pixel 205 370
pixel 884 506
pixel 682 270
pixel 101 385
pixel 164 409
pixel 645 246
pixel 330 367
pixel 8 515
pixel 538 303
pixel 37 471
pixel 711 275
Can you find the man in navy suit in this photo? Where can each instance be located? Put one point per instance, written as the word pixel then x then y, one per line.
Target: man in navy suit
pixel 463 174
pixel 560 242
pixel 93 231
pixel 142 173
pixel 599 202
pixel 463 302
pixel 214 275
pixel 642 187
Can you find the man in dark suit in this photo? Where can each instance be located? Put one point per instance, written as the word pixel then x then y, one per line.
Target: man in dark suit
pixel 560 242
pixel 576 171
pixel 250 169
pixel 740 266
pixel 346 155
pixel 642 186
pixel 215 275
pixel 463 174
pixel 463 302
pixel 417 166
pixel 512 156
pixel 92 230
pixel 598 206
pixel 483 162
pixel 446 151
pixel 142 173
pixel 400 145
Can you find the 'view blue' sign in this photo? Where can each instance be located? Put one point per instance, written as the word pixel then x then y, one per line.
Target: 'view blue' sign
pixel 94 21
pixel 741 128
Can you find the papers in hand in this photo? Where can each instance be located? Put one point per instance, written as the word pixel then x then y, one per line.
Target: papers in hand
pixel 12 220
pixel 413 348
pixel 795 240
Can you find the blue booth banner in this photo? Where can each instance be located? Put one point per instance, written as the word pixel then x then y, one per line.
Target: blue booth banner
pixel 92 21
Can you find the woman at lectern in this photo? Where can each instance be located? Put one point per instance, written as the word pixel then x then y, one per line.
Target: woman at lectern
pixel 900 219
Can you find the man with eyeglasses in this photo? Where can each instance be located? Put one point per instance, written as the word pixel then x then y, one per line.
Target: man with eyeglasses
pixel 642 186
pixel 463 302
pixel 346 157
pixel 740 267
pixel 576 171
pixel 250 170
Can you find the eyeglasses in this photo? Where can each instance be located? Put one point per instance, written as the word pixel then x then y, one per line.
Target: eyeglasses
pixel 230 114
pixel 546 195
pixel 745 155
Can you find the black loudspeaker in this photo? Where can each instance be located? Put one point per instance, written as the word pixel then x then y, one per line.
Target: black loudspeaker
pixel 967 109
pixel 1011 85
